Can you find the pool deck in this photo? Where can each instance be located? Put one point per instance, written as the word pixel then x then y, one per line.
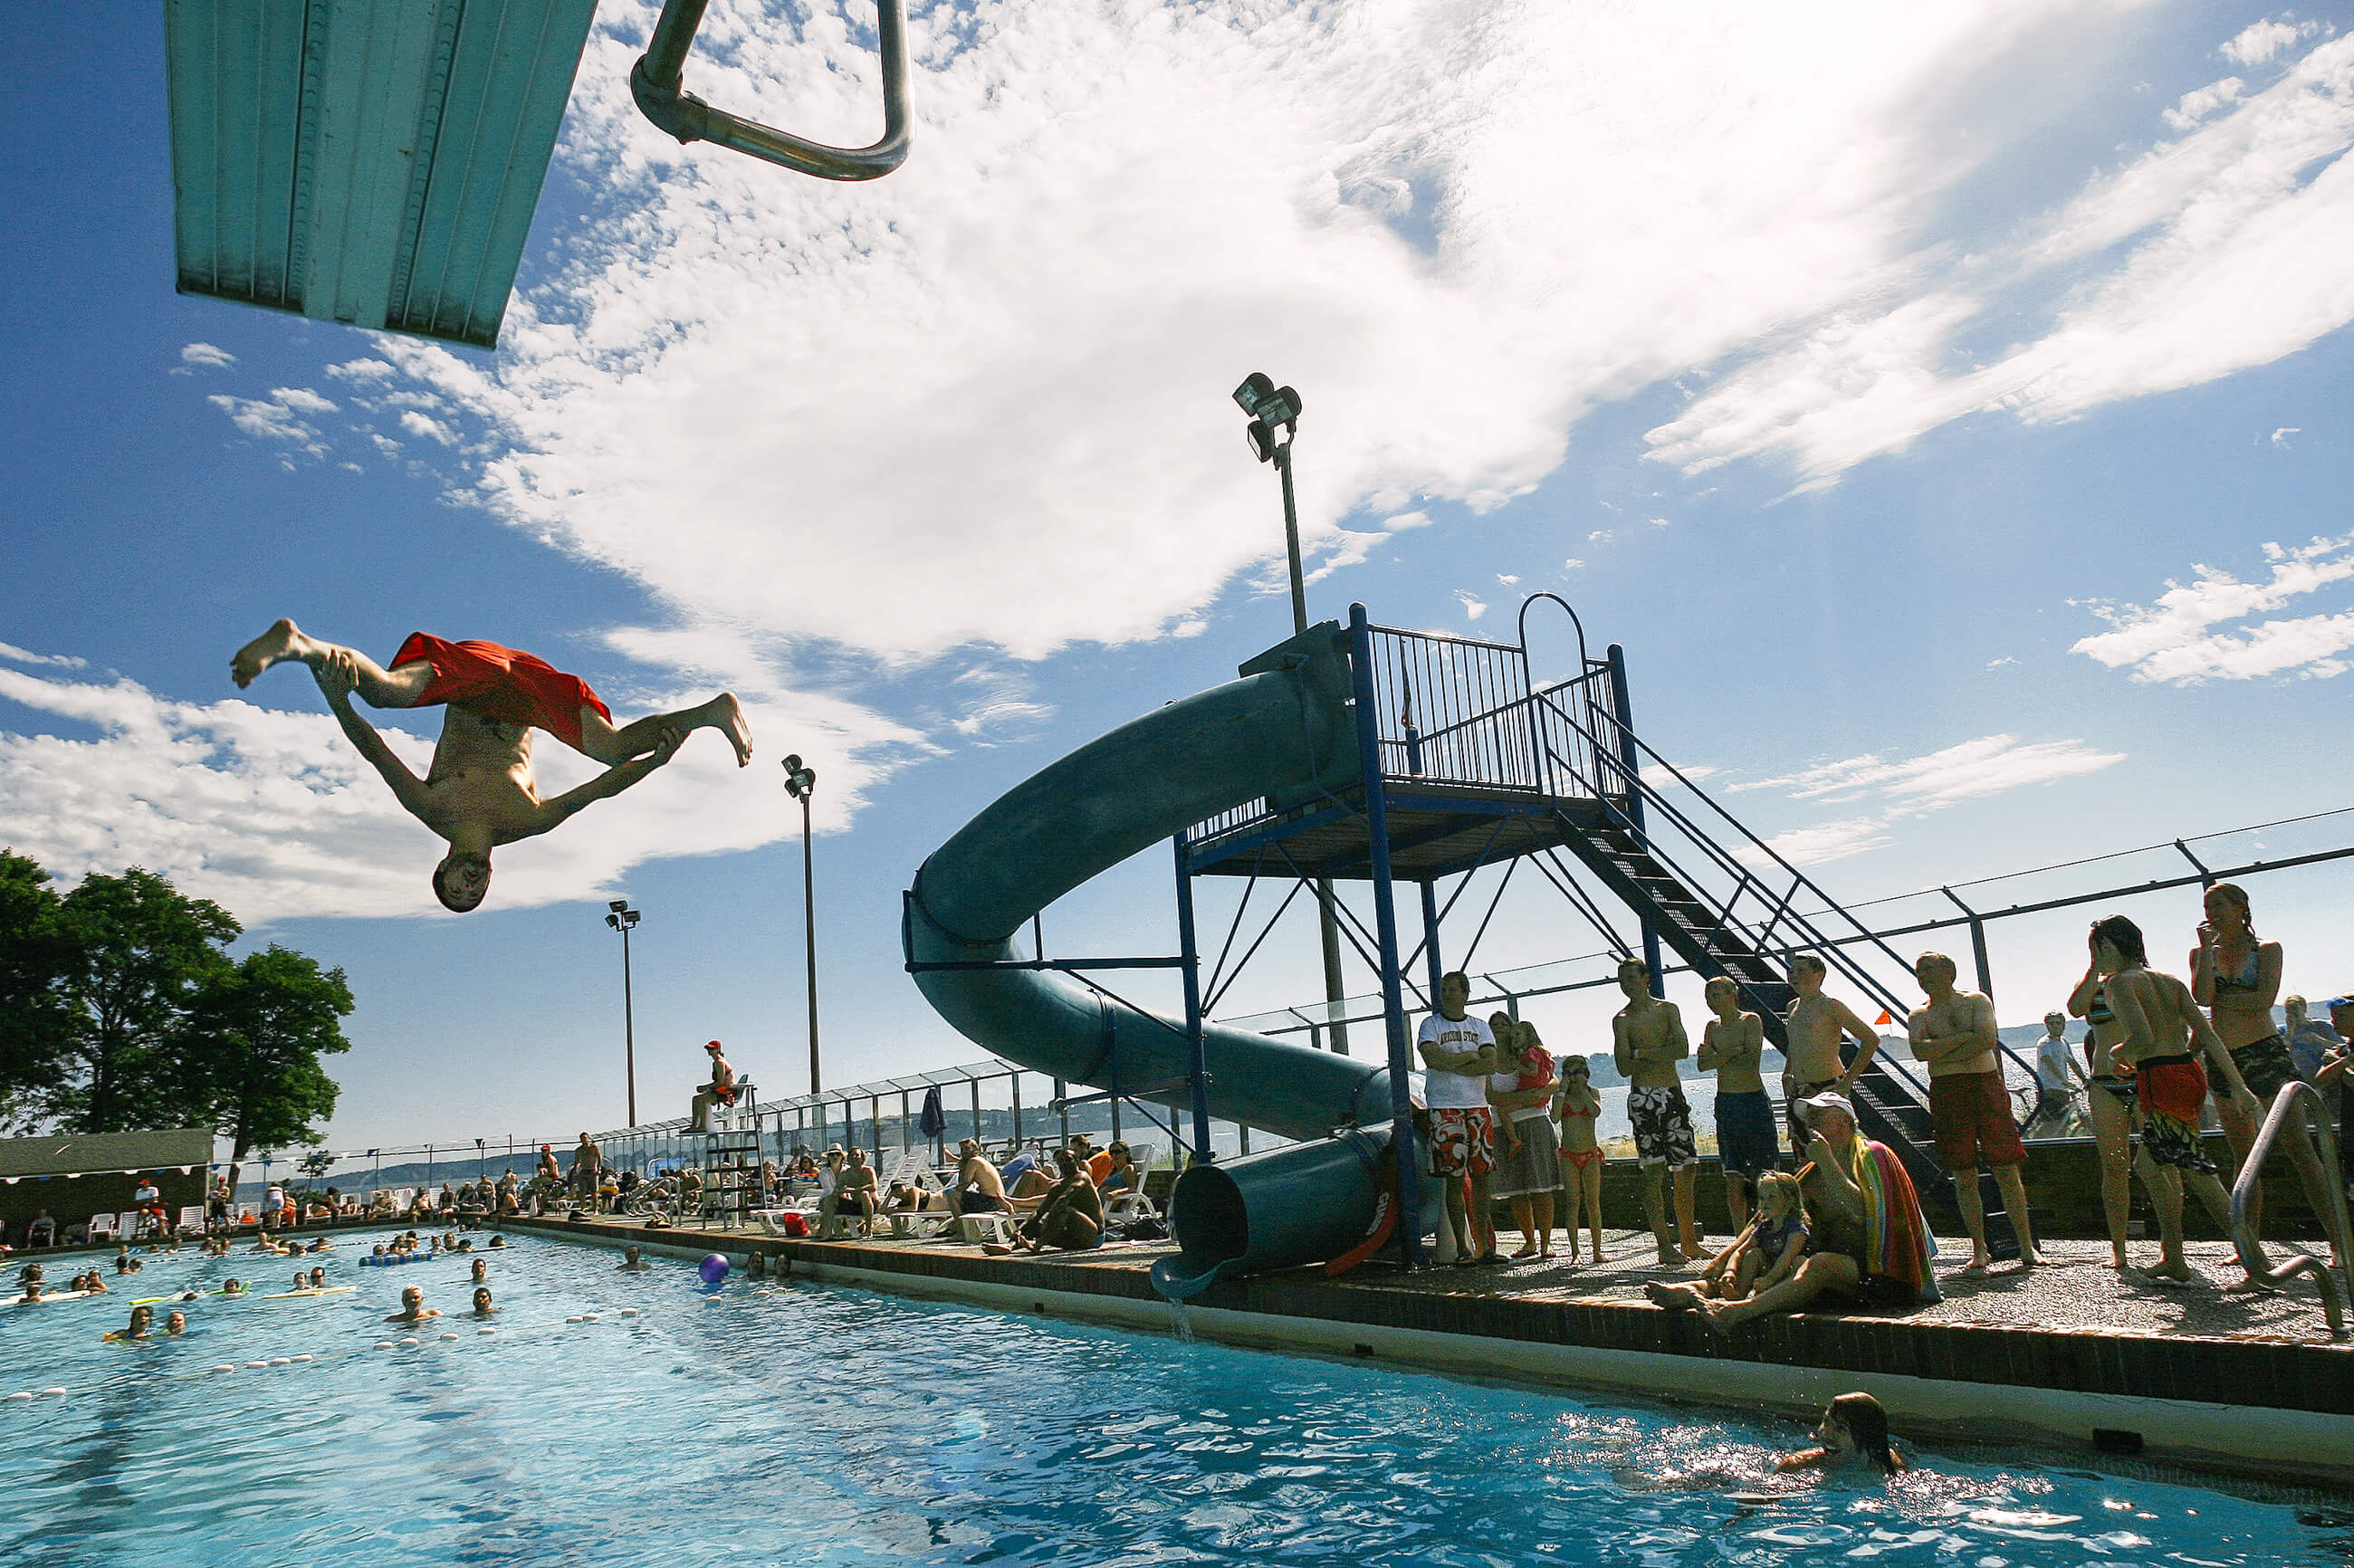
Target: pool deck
pixel 2067 1355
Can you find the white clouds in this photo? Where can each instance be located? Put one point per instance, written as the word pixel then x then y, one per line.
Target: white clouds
pixel 2260 41
pixel 16 655
pixel 1404 520
pixel 274 815
pixel 1991 765
pixel 2173 640
pixel 278 417
pixel 1826 841
pixel 2235 235
pixel 2199 103
pixel 1473 606
pixel 983 400
pixel 2281 436
pixel 425 425
pixel 205 356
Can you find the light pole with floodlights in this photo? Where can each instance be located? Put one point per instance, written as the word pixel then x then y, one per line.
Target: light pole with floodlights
pixel 1271 409
pixel 624 919
pixel 801 783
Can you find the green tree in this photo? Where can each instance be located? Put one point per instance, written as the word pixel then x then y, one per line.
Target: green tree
pixel 249 1057
pixel 144 951
pixel 37 1011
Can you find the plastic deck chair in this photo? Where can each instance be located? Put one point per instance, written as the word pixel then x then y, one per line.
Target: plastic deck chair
pixel 192 1218
pixel 102 1225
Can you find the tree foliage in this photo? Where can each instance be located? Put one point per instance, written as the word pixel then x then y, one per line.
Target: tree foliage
pixel 36 1013
pixel 121 1008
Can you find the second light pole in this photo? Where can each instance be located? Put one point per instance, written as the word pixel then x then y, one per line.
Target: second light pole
pixel 1274 408
pixel 624 919
pixel 801 783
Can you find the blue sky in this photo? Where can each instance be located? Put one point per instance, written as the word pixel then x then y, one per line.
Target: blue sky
pixel 1947 413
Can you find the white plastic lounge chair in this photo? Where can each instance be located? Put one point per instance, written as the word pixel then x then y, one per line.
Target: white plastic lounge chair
pixel 192 1219
pixel 994 1226
pixel 103 1225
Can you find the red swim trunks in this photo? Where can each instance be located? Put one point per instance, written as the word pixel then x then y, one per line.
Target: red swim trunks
pixel 501 684
pixel 1972 1113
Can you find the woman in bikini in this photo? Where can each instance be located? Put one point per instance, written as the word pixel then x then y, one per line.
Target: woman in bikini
pixel 2236 976
pixel 1581 1154
pixel 2109 1102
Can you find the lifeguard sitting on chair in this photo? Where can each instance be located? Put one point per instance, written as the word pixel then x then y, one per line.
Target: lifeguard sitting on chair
pixel 720 1091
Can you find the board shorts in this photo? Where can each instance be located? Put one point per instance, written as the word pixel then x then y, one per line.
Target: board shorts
pixel 1462 1140
pixel 2264 1066
pixel 1747 1141
pixel 971 1202
pixel 1536 1166
pixel 1972 1113
pixel 2171 1091
pixel 503 684
pixel 1663 1128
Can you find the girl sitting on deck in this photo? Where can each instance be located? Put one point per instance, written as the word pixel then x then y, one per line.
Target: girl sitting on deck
pixel 1769 1248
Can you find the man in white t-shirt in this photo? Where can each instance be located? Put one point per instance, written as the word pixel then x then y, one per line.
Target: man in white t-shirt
pixel 1458 1053
pixel 2056 1077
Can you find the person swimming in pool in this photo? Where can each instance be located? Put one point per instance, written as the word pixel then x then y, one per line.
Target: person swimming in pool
pixel 631 1261
pixel 1854 1426
pixel 231 1288
pixel 177 1324
pixel 482 1307
pixel 318 1279
pixel 479 791
pixel 413 1308
pixel 482 1270
pixel 141 1326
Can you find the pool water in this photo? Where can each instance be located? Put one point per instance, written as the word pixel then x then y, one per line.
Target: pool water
pixel 763 1422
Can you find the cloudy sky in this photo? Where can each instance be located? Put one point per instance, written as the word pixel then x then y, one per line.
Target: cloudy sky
pixel 1946 407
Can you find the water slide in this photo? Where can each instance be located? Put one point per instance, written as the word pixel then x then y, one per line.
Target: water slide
pixel 1284 730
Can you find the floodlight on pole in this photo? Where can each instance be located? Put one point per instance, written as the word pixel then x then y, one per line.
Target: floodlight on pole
pixel 801 783
pixel 1274 409
pixel 624 919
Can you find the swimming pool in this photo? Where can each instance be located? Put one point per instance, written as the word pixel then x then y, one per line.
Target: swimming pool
pixel 785 1423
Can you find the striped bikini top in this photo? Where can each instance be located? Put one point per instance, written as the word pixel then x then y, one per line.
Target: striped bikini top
pixel 2097 1013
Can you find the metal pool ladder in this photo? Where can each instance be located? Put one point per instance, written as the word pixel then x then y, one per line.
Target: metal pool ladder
pixel 2337 1285
pixel 654 83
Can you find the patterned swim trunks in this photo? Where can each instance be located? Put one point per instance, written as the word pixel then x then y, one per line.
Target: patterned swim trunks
pixel 1663 1128
pixel 1462 1140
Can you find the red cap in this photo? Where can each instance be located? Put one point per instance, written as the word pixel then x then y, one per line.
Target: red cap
pixel 713 1046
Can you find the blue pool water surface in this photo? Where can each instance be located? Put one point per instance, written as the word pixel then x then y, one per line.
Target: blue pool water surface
pixel 798 1423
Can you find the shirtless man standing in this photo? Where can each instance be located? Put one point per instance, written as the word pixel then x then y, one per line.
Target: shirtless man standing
pixel 1646 1041
pixel 1954 1034
pixel 1746 1145
pixel 2160 1024
pixel 479 792
pixel 1817 1025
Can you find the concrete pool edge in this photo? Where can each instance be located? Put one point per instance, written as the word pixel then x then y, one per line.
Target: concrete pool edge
pixel 2274 1441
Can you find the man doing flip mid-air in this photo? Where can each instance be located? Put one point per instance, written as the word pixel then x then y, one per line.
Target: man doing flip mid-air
pixel 478 792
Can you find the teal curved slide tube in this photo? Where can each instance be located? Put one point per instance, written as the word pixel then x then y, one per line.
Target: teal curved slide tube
pixel 1283 731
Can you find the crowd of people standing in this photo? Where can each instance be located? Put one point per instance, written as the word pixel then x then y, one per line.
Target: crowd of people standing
pixel 1507 1122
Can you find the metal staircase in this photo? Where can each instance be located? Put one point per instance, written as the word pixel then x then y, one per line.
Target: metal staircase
pixel 1657 855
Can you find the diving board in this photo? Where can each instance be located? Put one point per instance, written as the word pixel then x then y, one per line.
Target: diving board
pixel 371 164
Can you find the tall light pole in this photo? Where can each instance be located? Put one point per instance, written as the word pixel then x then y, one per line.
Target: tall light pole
pixel 624 919
pixel 801 783
pixel 1274 408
